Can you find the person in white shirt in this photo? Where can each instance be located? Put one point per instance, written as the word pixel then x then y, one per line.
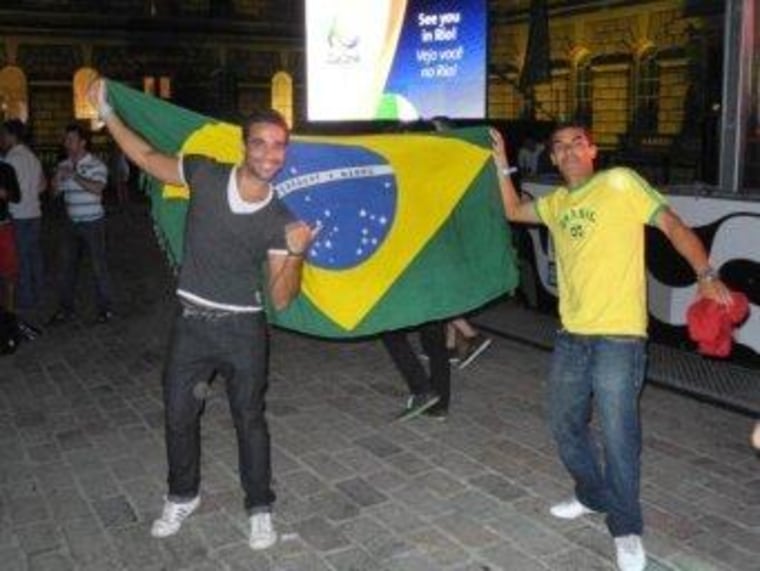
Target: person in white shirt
pixel 81 178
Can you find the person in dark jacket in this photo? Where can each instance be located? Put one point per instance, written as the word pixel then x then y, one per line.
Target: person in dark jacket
pixel 9 193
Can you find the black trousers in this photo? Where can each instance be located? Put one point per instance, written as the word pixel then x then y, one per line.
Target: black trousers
pixel 433 340
pixel 79 237
pixel 236 347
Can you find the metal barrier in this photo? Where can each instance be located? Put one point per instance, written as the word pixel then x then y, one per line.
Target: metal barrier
pixel 714 381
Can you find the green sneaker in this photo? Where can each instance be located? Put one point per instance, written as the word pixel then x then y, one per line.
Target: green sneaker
pixel 416 405
pixel 473 350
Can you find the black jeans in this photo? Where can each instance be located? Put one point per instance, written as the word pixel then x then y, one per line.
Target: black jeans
pixel 236 347
pixel 433 340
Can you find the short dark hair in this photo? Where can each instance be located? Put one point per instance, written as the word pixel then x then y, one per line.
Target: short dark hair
pixel 16 128
pixel 81 132
pixel 265 116
pixel 572 124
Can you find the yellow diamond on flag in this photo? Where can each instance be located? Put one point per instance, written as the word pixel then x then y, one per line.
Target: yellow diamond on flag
pixel 424 203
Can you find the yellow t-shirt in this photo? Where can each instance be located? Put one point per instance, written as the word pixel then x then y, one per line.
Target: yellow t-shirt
pixel 598 233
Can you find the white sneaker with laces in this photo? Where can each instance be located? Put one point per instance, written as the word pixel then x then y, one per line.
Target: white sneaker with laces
pixel 570 509
pixel 630 553
pixel 172 517
pixel 263 534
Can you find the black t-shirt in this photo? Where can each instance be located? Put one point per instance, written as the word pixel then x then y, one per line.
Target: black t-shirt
pixel 9 182
pixel 225 251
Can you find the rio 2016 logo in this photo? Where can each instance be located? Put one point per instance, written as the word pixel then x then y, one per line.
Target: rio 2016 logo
pixel 343 42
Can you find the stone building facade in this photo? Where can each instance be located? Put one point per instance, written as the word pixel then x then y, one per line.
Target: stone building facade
pixel 214 56
pixel 646 76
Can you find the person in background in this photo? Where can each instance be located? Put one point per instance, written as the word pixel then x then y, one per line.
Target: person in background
pixel 597 221
pixel 9 193
pixel 26 213
pixel 81 178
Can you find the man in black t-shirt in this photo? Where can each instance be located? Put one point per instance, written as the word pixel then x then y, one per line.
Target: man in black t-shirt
pixel 236 225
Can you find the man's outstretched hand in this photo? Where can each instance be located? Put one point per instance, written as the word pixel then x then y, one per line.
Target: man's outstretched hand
pixel 299 236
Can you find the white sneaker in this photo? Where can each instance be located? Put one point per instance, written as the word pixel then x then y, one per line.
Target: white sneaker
pixel 630 553
pixel 172 517
pixel 263 534
pixel 570 509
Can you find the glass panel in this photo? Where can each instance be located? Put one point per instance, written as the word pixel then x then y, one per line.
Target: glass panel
pixel 752 154
pixel 647 94
pixel 583 92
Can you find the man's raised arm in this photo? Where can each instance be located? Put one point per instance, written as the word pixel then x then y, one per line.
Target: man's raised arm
pixel 515 209
pixel 157 164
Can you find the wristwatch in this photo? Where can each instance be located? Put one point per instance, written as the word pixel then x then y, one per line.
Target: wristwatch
pixel 708 274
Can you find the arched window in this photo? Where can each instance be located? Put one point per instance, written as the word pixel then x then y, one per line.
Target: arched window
pixel 646 93
pixel 14 98
pixel 83 109
pixel 159 86
pixel 282 95
pixel 584 91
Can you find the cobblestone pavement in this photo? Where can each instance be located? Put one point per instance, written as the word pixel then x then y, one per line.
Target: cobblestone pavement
pixel 82 463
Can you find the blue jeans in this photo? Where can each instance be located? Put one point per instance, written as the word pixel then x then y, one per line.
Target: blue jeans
pixel 31 274
pixel 81 236
pixel 234 346
pixel 611 370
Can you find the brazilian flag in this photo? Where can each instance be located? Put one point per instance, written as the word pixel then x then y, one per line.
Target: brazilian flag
pixel 412 225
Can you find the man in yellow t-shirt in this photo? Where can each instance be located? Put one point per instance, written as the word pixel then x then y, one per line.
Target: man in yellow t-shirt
pixel 597 222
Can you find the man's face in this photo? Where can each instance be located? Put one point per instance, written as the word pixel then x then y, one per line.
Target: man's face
pixel 73 144
pixel 265 146
pixel 573 154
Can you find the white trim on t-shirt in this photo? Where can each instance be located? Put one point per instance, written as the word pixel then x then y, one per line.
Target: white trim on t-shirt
pixel 237 204
pixel 181 167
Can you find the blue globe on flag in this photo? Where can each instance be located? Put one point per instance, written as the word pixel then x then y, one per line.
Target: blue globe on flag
pixel 348 192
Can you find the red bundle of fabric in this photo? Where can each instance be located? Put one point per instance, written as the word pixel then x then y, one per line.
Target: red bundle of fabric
pixel 711 324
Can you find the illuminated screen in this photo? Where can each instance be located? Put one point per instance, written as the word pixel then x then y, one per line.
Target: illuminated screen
pixel 395 59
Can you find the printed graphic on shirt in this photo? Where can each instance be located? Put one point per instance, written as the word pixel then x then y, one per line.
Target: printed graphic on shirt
pixel 578 222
